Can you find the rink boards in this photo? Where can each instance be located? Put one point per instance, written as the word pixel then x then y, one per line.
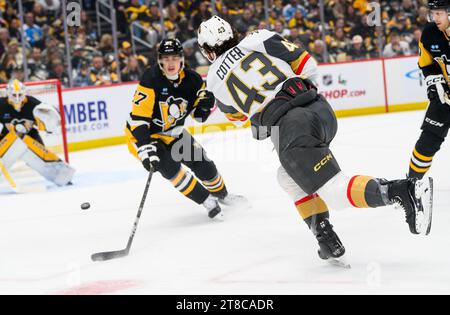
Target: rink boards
pixel 96 116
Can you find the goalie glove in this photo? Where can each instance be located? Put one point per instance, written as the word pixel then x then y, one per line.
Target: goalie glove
pixel 438 87
pixel 148 154
pixel 21 127
pixel 205 105
pixel 48 117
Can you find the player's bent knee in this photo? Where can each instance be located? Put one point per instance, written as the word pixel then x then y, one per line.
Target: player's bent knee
pixel 289 185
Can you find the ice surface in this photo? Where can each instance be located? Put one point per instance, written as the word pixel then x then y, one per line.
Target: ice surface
pixel 46 239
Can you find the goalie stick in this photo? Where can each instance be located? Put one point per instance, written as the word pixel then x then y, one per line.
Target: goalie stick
pixel 102 256
pixel 18 188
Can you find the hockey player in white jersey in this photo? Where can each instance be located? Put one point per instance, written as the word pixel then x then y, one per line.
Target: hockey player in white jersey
pixel 269 80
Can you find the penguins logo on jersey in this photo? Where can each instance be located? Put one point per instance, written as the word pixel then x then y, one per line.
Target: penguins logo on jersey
pixel 21 125
pixel 172 110
pixel 444 63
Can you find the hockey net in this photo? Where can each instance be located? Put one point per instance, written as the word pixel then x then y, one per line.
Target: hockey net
pixel 49 92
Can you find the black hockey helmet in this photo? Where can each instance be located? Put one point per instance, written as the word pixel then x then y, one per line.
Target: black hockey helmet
pixel 169 47
pixel 438 4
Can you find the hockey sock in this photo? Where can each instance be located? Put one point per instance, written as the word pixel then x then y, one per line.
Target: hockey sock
pixel 423 153
pixel 312 209
pixel 359 191
pixel 216 186
pixel 419 164
pixel 366 192
pixel 188 185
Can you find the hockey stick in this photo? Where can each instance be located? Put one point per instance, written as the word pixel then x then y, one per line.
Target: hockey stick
pixel 124 252
pixel 8 177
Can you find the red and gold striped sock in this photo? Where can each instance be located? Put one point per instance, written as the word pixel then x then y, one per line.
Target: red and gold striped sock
pixel 312 208
pixel 365 192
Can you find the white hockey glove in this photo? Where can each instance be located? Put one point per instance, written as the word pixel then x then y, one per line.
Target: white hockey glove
pixel 49 116
pixel 438 87
pixel 148 154
pixel 22 128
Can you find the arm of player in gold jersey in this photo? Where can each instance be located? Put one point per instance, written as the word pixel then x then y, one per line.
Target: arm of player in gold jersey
pixel 142 112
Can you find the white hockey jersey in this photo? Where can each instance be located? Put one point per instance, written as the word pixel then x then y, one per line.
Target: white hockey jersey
pixel 246 77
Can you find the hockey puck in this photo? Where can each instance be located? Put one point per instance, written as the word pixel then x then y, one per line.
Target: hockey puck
pixel 85 206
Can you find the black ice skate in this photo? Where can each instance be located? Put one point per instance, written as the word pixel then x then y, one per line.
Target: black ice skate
pixel 331 248
pixel 416 198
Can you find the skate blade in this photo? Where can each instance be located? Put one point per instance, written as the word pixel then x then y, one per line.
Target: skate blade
pixel 219 217
pixel 339 262
pixel 424 192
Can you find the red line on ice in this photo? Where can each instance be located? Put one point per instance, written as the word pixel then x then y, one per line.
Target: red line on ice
pixel 100 287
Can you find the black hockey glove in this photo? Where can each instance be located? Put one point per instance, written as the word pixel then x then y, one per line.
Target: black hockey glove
pixel 438 88
pixel 205 105
pixel 148 154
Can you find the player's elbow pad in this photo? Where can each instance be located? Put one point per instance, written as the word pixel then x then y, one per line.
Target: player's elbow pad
pixel 49 116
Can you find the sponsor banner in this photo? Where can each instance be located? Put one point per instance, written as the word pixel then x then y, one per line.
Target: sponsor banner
pixel 97 113
pixel 352 85
pixel 404 81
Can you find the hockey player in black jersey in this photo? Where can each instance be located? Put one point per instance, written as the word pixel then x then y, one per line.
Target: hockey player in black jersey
pixel 268 80
pixel 166 95
pixel 22 117
pixel 434 61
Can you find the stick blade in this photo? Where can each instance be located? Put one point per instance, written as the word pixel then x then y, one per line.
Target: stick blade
pixel 109 255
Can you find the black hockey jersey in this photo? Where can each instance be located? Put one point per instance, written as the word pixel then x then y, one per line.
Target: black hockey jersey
pixel 434 52
pixel 9 116
pixel 160 106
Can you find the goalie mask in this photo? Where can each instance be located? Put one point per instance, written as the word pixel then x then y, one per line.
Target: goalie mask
pixel 16 92
pixel 168 48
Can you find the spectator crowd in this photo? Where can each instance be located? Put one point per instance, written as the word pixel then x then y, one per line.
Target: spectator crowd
pixel 348 33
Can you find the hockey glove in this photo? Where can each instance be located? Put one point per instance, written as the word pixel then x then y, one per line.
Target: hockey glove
pixel 22 128
pixel 438 87
pixel 148 154
pixel 205 105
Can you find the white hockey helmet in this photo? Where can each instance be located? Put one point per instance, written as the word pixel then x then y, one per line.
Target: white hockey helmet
pixel 213 33
pixel 16 92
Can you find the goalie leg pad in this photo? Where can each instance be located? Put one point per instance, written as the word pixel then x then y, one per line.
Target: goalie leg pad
pixel 12 149
pixel 46 163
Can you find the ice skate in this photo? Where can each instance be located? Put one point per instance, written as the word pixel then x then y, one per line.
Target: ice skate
pixel 331 248
pixel 213 208
pixel 415 197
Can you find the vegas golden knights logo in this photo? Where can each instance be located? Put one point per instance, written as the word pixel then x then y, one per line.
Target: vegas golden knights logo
pixel 172 110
